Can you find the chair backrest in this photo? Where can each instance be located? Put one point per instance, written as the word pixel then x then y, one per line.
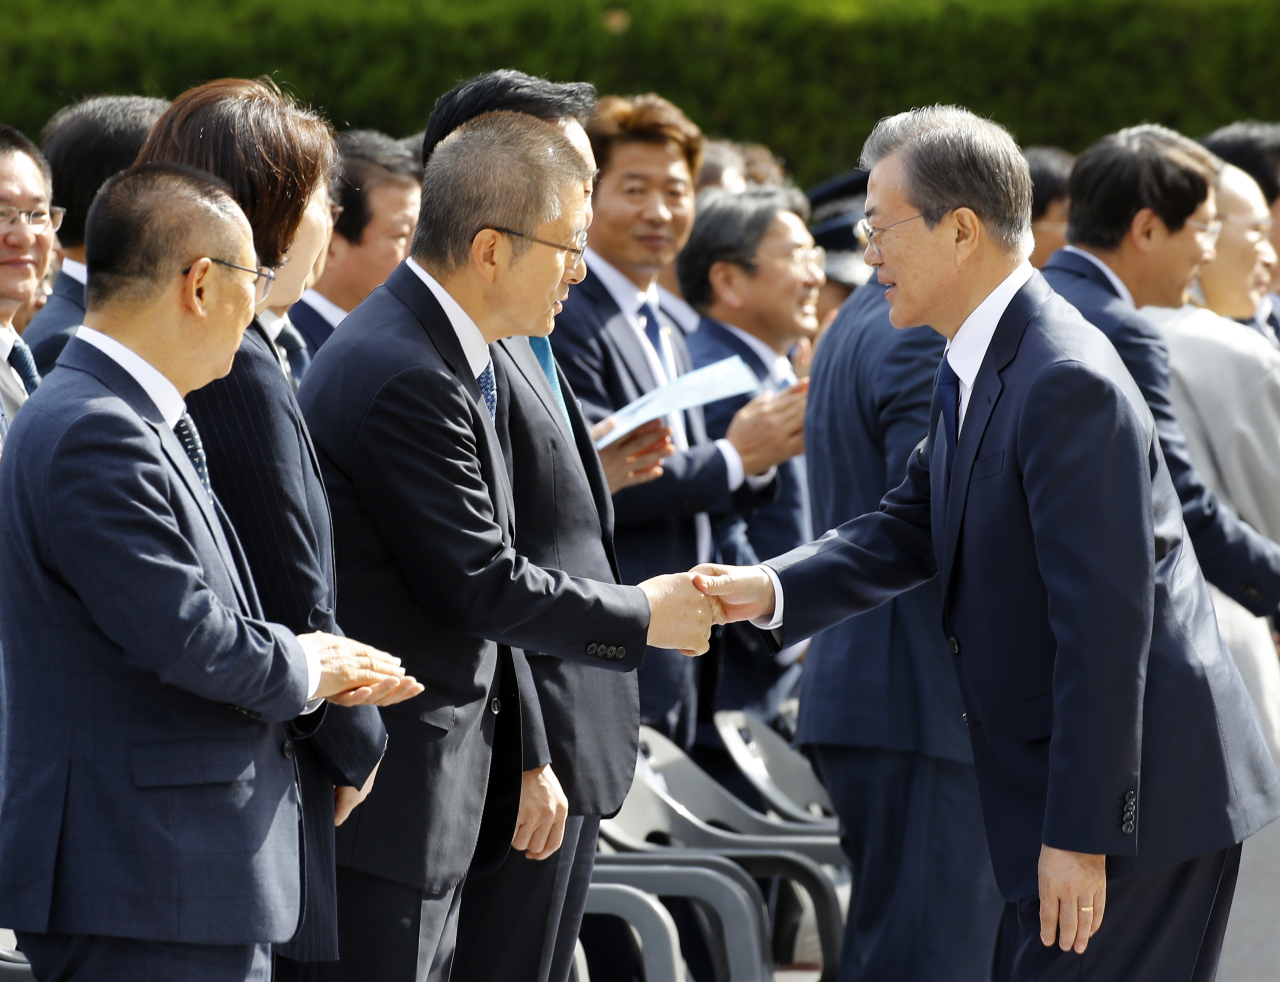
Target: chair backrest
pixel 781 775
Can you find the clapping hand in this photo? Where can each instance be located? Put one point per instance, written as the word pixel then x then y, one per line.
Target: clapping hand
pixel 744 592
pixel 681 616
pixel 356 674
pixel 637 457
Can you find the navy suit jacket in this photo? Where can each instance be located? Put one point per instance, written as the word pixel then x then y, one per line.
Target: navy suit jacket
pixel 424 530
pixel 882 679
pixel 148 790
pixel 655 531
pixel 1084 637
pixel 55 323
pixel 315 330
pixel 564 520
pixel 1236 559
pixel 749 668
pixel 264 471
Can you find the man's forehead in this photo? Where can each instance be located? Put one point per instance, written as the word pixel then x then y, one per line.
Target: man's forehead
pixel 21 180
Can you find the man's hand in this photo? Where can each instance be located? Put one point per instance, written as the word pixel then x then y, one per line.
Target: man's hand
pixel 346 799
pixel 679 615
pixel 543 810
pixel 770 428
pixel 744 592
pixel 637 457
pixel 1073 896
pixel 355 674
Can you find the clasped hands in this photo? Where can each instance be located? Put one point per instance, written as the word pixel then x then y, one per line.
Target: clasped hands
pixel 685 606
pixel 356 674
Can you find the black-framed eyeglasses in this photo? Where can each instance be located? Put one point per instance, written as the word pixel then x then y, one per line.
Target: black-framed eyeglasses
pixel 575 252
pixel 39 220
pixel 866 233
pixel 262 278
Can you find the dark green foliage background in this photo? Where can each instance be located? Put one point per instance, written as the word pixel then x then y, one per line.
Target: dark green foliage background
pixel 808 77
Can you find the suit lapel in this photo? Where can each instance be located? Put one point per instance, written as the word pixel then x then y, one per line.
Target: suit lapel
pixel 528 365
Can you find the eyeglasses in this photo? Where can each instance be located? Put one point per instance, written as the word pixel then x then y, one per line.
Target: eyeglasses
pixel 334 212
pixel 38 219
pixel 1206 235
pixel 575 252
pixel 1258 228
pixel 262 278
pixel 866 233
pixel 800 259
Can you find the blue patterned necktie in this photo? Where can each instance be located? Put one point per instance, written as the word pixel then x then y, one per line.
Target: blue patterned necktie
pixel 189 436
pixel 547 362
pixel 653 331
pixel 949 395
pixel 489 391
pixel 25 365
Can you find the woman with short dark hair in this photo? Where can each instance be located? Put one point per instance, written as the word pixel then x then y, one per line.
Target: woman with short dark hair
pixel 278 158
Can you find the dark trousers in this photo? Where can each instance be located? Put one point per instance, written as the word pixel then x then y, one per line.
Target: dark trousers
pixel 1163 926
pixel 520 922
pixel 925 906
pixel 389 932
pixel 94 958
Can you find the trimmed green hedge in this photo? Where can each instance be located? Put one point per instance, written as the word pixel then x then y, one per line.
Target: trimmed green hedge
pixel 807 77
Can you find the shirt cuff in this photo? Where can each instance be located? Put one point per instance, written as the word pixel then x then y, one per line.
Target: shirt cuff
pixel 314 671
pixel 732 464
pixel 774 622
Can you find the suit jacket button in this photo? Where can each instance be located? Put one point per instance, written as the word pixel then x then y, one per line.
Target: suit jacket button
pixel 955 645
pixel 1130 797
pixel 613 651
pixel 964 717
pixel 591 648
pixel 1127 827
pixel 622 653
pixel 496 705
pixel 286 748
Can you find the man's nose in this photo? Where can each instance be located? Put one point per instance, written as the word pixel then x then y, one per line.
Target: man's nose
pixel 657 210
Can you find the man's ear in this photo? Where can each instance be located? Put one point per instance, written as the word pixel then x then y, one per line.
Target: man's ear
pixel 489 250
pixel 1144 229
pixel 969 231
pixel 724 279
pixel 195 286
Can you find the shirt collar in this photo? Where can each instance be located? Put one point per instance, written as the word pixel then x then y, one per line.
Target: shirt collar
pixel 780 370
pixel 273 323
pixel 325 307
pixel 966 350
pixel 678 310
pixel 1117 284
pixel 163 394
pixel 76 271
pixel 473 344
pixel 629 297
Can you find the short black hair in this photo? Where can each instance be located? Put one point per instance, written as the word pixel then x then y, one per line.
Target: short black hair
pixel 728 228
pixel 89 141
pixel 143 223
pixel 1254 147
pixel 511 90
pixel 369 160
pixel 1050 170
pixel 15 141
pixel 1146 166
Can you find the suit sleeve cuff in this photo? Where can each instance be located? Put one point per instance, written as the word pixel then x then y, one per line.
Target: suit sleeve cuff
pixel 314 671
pixel 774 622
pixel 732 464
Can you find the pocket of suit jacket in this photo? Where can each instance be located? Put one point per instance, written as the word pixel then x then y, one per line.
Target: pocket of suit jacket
pixel 436 706
pixel 191 762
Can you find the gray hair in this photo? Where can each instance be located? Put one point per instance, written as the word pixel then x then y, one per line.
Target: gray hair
pixel 500 170
pixel 954 159
pixel 728 228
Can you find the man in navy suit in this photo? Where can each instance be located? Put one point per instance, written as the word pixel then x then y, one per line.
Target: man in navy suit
pixel 402 404
pixel 85 143
pixel 1143 221
pixel 614 345
pixel 751 270
pixel 149 808
pixel 1119 758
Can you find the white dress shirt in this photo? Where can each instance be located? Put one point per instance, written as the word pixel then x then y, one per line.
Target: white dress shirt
pixel 965 352
pixel 474 348
pixel 1112 278
pixel 164 395
pixel 76 270
pixel 273 323
pixel 325 307
pixel 7 336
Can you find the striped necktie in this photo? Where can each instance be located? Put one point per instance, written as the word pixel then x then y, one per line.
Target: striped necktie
pixel 189 436
pixel 24 364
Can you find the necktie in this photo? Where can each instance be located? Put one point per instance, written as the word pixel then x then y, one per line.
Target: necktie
pixel 186 432
pixel 547 361
pixel 653 331
pixel 489 390
pixel 294 346
pixel 949 395
pixel 24 364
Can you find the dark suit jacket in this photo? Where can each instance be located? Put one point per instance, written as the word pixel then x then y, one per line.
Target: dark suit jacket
pixel 424 531
pixel 655 533
pixel 1085 640
pixel 264 471
pixel 55 323
pixel 749 668
pixel 564 520
pixel 315 330
pixel 883 679
pixel 1236 559
pixel 148 790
